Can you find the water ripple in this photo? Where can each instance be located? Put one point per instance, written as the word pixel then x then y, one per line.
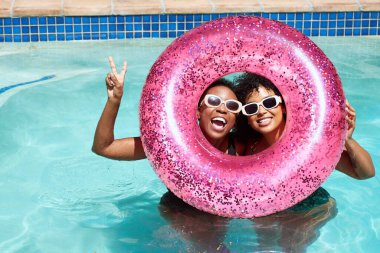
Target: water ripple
pixel 92 193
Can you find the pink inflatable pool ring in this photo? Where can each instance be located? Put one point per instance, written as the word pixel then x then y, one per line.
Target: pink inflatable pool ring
pixel 244 186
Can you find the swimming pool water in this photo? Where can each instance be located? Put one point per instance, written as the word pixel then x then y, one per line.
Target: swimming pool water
pixel 57 196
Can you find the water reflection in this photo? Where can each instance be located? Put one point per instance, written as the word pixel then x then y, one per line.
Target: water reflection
pixel 292 230
pixel 205 232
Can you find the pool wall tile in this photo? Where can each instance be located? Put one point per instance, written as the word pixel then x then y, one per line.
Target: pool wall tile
pixel 52 28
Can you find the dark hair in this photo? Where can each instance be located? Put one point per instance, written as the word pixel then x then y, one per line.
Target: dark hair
pixel 219 82
pixel 247 83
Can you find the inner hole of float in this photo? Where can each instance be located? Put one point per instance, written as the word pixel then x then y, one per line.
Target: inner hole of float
pixel 242 113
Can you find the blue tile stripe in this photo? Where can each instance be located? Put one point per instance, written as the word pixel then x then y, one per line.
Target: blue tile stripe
pixel 34 29
pixel 4 89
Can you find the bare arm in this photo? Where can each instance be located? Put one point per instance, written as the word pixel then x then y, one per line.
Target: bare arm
pixel 355 160
pixel 104 144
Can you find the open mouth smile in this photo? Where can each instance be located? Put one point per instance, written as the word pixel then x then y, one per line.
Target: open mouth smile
pixel 219 123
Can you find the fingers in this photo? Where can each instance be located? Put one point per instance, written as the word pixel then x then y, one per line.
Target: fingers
pixel 124 70
pixel 112 81
pixel 349 106
pixel 112 65
pixel 350 110
pixel 109 82
pixel 115 81
pixel 350 120
pixel 351 123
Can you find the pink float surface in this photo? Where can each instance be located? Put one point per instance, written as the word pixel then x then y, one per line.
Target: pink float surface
pixel 244 186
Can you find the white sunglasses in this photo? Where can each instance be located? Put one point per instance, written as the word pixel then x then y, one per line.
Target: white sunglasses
pixel 214 101
pixel 268 103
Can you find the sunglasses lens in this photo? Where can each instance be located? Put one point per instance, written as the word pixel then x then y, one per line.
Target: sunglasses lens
pixel 214 101
pixel 251 109
pixel 269 103
pixel 232 105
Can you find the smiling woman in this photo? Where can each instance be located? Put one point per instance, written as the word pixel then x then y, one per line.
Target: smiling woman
pixel 263 117
pixel 217 112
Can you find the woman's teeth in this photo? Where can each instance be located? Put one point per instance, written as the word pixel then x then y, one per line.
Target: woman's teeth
pixel 219 122
pixel 264 122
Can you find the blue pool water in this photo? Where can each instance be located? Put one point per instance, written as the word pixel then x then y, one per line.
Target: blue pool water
pixel 57 196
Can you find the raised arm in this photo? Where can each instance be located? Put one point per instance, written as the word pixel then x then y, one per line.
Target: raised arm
pixel 104 144
pixel 355 160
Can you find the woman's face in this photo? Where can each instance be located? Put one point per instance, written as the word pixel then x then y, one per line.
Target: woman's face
pixel 217 122
pixel 266 122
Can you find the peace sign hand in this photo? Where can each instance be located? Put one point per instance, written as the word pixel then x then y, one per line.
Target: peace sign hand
pixel 115 81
